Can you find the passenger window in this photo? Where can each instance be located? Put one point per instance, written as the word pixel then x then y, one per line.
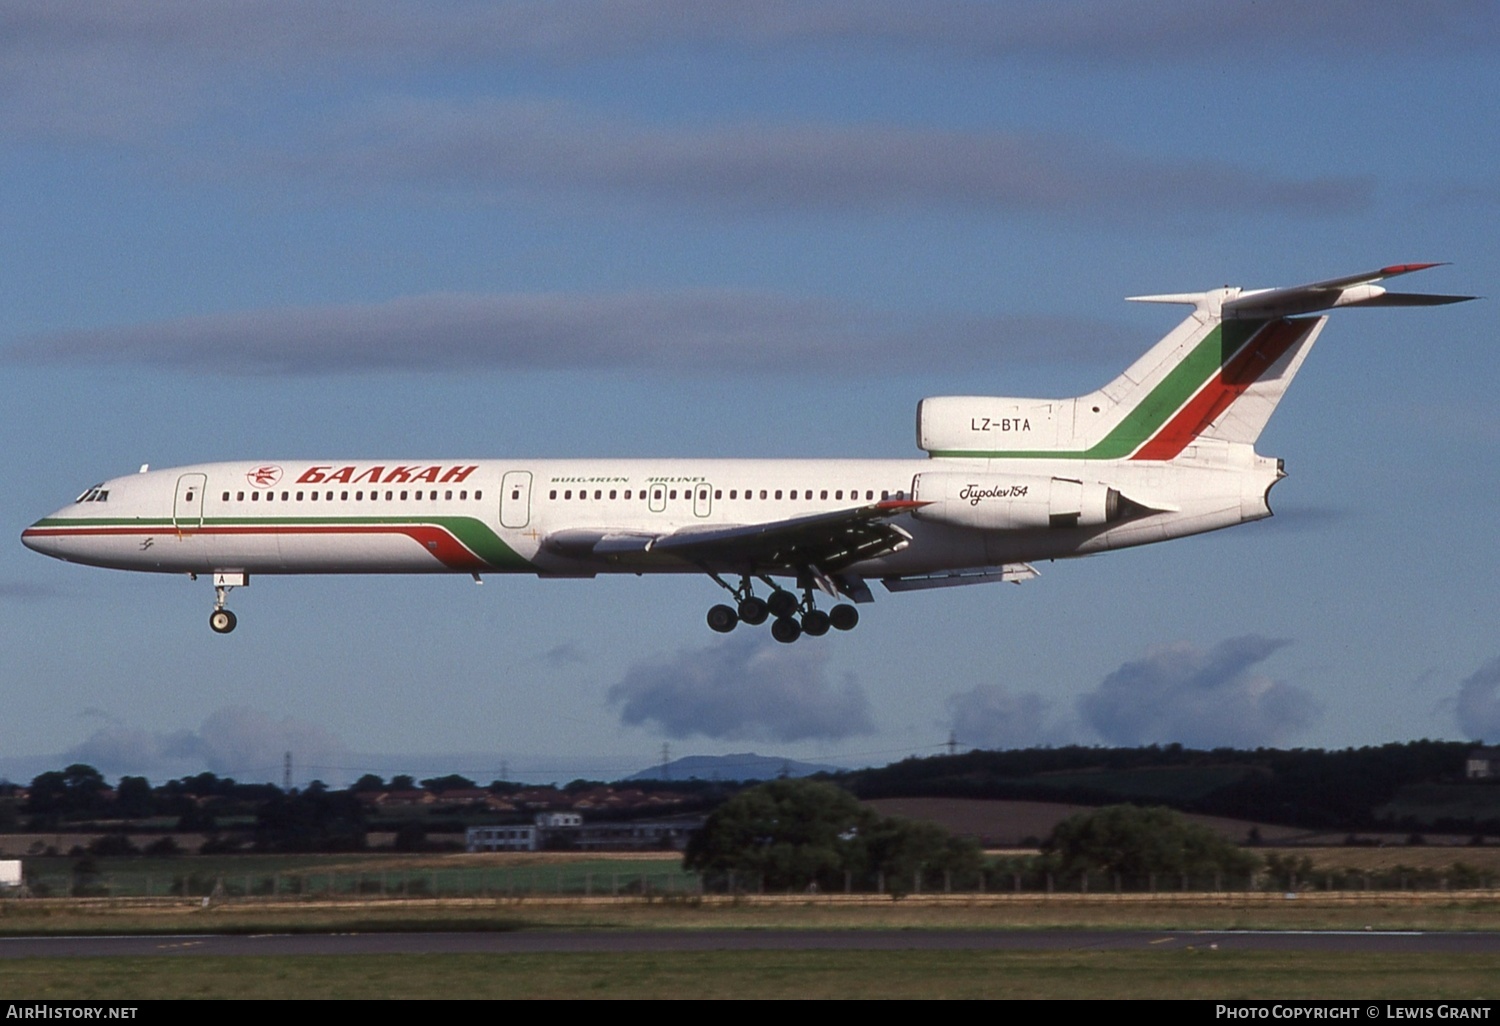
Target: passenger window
pixel 598 493
pixel 255 496
pixel 673 495
pixel 478 495
pixel 312 496
pixel 343 496
pixel 718 493
pixel 778 493
pixel 270 496
pixel 299 496
pixel 226 497
pixel 403 496
pixel 612 493
pixel 568 494
pixel 762 493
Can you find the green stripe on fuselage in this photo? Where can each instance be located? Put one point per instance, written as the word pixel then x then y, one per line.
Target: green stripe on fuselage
pixel 1148 416
pixel 471 532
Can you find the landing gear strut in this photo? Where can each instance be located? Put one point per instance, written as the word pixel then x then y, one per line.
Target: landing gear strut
pixel 221 620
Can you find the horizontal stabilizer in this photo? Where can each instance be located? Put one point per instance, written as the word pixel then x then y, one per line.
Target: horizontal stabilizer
pixel 1334 293
pixel 1351 290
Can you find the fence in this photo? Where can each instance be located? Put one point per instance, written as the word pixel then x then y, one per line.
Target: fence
pixel 672 881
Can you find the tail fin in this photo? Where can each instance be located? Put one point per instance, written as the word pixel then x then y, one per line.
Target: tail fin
pixel 1219 374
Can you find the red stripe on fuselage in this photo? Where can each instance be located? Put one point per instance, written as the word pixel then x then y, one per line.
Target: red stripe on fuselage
pixel 439 542
pixel 1243 370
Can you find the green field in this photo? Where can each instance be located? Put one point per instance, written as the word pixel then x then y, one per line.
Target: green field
pixel 1176 973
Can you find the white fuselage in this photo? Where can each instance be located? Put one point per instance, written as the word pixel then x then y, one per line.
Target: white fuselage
pixel 471 516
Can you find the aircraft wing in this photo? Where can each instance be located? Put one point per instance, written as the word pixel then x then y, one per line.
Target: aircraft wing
pixel 820 542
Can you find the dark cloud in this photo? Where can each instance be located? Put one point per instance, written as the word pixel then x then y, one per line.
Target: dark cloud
pixel 1294 517
pixel 505 145
pixel 237 742
pixel 383 33
pixel 1478 709
pixel 743 688
pixel 1205 699
pixel 26 591
pixel 992 716
pixel 122 70
pixel 699 331
pixel 566 654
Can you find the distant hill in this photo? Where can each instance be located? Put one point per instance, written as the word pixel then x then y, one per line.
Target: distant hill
pixel 732 768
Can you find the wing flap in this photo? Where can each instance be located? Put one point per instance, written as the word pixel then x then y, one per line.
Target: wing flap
pixel 1013 573
pixel 826 542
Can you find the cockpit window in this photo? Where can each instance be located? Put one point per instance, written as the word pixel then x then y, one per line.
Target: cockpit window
pixel 98 493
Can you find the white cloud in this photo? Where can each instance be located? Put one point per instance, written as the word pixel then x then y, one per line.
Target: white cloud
pixel 992 716
pixel 743 688
pixel 246 744
pixel 1478 710
pixel 1181 693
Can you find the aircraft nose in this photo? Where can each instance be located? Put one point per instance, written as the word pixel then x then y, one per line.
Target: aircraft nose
pixel 39 538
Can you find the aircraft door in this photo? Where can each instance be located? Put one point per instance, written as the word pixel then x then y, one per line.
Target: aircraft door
pixel 658 501
pixel 187 503
pixel 515 499
pixel 703 496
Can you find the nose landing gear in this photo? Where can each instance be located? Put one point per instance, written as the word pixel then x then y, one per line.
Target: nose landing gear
pixel 221 620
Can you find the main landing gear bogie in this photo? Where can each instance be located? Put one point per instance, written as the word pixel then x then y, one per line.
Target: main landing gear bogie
pixel 790 616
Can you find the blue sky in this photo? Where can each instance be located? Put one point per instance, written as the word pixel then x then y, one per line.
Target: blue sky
pixel 273 230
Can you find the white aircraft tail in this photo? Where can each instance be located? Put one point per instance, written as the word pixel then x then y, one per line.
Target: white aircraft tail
pixel 1219 374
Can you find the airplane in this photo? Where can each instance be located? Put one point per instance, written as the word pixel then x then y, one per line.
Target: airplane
pixel 1165 450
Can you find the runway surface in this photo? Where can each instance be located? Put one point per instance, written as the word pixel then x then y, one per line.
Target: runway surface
pixel 739 940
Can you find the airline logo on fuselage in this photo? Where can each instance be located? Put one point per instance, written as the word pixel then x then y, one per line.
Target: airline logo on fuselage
pixel 437 474
pixel 264 476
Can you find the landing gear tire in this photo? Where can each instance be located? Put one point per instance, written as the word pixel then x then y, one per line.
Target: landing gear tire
pixel 722 619
pixel 815 623
pixel 782 604
pixel 222 621
pixel 785 630
pixel 843 617
pixel 753 611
